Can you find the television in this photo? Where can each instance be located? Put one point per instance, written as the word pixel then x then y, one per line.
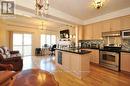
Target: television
pixel 64 34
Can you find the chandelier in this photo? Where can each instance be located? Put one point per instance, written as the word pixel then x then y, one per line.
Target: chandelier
pixel 42 7
pixel 43 26
pixel 98 3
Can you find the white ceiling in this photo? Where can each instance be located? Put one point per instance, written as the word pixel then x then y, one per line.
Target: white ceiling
pixel 33 22
pixel 83 10
pixel 75 11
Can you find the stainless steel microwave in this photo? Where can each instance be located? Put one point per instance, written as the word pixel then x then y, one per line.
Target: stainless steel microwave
pixel 126 34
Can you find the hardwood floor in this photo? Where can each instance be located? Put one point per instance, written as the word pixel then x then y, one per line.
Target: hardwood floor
pixel 98 76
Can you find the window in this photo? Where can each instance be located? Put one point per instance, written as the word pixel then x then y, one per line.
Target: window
pixel 22 43
pixel 53 39
pixel 48 39
pixel 43 39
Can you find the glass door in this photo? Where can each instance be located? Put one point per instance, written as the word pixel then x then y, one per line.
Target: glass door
pixel 48 39
pixel 23 43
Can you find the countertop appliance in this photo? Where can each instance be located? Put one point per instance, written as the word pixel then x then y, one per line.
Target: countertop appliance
pixel 125 34
pixel 110 57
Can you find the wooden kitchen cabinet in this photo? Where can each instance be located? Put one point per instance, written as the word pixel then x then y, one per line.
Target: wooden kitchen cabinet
pixel 125 62
pixel 88 32
pixel 106 26
pixel 97 31
pixel 66 60
pixel 80 31
pixel 74 63
pixel 115 24
pixel 69 62
pixel 125 22
pixel 92 31
pixel 94 55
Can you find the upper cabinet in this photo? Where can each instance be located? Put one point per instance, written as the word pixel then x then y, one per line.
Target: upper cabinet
pixel 80 33
pixel 125 22
pixel 115 24
pixel 106 26
pixel 97 31
pixel 94 31
pixel 111 25
pixel 87 32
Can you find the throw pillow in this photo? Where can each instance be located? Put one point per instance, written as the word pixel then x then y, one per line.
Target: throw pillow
pixel 5 49
pixel 1 51
pixel 3 56
pixel 7 55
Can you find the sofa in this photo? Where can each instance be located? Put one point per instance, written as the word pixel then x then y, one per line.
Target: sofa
pixel 11 57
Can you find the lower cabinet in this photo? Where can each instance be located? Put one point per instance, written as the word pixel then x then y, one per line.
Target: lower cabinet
pixel 71 61
pixel 66 60
pixel 94 55
pixel 125 62
pixel 75 64
pixel 75 61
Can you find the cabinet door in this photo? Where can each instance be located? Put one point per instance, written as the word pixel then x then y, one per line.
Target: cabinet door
pixel 115 24
pixel 97 30
pixel 95 56
pixel 80 33
pixel 87 32
pixel 66 60
pixel 75 63
pixel 106 26
pixel 125 22
pixel 125 62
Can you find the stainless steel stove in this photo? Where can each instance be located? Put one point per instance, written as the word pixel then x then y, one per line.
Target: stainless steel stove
pixel 110 57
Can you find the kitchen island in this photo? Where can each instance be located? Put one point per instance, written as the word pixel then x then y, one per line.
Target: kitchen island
pixel 74 61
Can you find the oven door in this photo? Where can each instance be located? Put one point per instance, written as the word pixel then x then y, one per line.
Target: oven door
pixel 109 58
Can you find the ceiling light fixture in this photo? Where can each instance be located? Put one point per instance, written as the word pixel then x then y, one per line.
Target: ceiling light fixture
pixel 98 3
pixel 42 7
pixel 43 26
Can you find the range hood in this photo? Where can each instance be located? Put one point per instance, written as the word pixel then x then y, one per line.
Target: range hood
pixel 111 34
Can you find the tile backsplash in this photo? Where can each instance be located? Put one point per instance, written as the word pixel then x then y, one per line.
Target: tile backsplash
pixel 126 44
pixel 112 40
pixel 88 43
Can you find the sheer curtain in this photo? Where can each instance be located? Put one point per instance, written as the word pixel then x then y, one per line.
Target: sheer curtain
pixel 48 39
pixel 23 43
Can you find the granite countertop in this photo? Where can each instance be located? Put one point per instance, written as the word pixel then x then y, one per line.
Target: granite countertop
pixel 90 48
pixel 126 51
pixel 76 51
